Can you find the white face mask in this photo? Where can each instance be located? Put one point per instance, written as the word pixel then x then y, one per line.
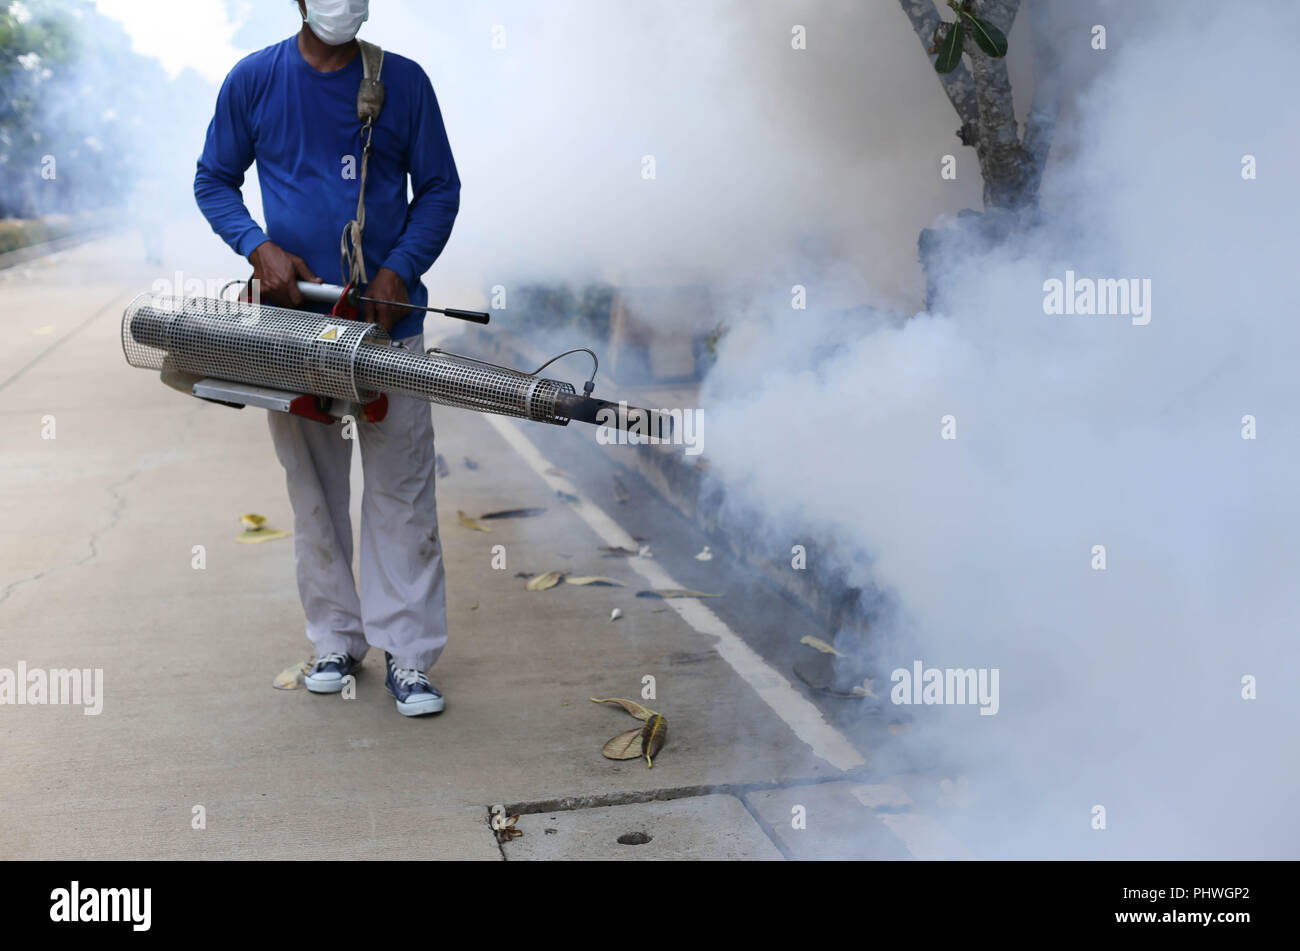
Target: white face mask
pixel 336 22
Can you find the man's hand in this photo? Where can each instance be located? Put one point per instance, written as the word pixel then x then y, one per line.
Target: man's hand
pixel 279 273
pixel 387 285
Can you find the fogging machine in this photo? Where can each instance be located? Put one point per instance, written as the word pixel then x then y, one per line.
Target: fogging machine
pixel 324 367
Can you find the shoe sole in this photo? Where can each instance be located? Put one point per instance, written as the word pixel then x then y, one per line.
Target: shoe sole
pixel 323 686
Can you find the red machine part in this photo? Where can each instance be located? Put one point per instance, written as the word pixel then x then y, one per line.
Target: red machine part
pixel 310 406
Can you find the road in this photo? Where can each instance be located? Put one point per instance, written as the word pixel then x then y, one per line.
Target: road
pixel 195 755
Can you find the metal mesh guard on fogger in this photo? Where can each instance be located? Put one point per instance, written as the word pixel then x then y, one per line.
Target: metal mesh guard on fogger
pixel 324 356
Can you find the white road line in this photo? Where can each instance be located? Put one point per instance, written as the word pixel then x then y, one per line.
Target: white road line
pixel 793 708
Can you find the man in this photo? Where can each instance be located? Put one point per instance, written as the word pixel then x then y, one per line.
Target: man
pixel 292 108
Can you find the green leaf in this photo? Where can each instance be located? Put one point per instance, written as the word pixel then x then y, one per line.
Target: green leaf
pixel 950 50
pixel 987 36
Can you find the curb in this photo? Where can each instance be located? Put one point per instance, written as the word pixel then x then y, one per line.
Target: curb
pixel 732 526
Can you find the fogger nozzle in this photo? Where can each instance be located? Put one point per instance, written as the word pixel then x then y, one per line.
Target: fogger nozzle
pixel 331 357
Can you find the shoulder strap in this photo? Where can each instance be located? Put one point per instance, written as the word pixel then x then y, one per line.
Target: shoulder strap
pixel 370 97
pixel 370 102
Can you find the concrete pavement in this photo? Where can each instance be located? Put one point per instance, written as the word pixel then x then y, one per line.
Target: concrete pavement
pixel 98 541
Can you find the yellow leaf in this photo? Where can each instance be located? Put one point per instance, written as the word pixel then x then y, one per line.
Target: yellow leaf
pixel 543 582
pixel 653 736
pixel 261 535
pixel 291 677
pixel 252 522
pixel 820 644
pixel 473 523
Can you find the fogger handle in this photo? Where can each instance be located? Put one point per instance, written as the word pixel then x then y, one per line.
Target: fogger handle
pixel 320 293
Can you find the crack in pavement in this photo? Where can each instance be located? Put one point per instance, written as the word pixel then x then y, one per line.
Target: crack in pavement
pixel 115 514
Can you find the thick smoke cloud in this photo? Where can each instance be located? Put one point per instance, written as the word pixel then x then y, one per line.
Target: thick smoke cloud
pixel 1122 687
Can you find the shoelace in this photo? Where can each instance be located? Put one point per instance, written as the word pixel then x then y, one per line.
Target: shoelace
pixel 337 657
pixel 409 677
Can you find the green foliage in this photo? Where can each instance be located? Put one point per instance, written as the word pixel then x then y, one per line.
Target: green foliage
pixel 71 89
pixel 950 49
pixel 987 37
pixel 18 233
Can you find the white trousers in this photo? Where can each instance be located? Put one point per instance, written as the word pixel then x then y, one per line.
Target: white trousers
pixel 402 606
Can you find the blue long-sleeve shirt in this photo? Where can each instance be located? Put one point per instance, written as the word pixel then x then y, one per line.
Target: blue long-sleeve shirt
pixel 301 128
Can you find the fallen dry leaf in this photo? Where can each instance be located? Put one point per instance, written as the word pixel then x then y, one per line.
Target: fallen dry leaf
pixel 291 677
pixel 513 513
pixel 557 471
pixel 595 579
pixel 675 593
pixel 260 535
pixel 624 746
pixel 820 644
pixel 543 582
pixel 616 551
pixel 505 829
pixel 252 521
pixel 646 741
pixel 621 494
pixel 653 737
pixel 471 522
pixel 631 706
